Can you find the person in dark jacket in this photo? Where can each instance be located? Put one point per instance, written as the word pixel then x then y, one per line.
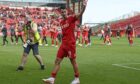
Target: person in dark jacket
pixel 4 32
pixel 89 35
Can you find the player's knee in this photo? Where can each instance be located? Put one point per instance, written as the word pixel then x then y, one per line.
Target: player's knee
pixel 36 55
pixel 57 62
pixel 73 61
pixel 25 54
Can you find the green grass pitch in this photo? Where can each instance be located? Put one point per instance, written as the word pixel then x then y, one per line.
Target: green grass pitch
pixel 95 64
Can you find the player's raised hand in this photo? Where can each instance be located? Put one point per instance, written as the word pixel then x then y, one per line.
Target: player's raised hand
pixel 83 9
pixel 85 2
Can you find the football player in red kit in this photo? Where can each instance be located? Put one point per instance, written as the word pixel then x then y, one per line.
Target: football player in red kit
pixel 54 34
pixel 52 30
pixel 44 32
pixel 19 33
pixel 85 35
pixel 108 35
pixel 78 34
pixel 129 32
pixel 68 46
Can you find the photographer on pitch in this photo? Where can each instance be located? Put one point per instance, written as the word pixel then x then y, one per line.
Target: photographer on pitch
pixel 32 39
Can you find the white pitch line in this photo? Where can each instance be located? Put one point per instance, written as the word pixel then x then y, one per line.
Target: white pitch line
pixel 126 67
pixel 128 63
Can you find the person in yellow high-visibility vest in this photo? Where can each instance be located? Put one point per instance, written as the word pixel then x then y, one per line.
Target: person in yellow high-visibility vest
pixel 32 41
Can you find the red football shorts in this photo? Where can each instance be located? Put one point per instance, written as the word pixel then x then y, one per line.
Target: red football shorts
pixel 85 36
pixel 55 35
pixel 78 35
pixel 52 35
pixel 20 33
pixel 67 51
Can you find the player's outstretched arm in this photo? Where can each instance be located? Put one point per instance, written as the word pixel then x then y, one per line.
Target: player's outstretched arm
pixel 83 9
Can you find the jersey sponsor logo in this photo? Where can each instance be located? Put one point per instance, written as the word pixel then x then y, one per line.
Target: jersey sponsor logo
pixel 65 25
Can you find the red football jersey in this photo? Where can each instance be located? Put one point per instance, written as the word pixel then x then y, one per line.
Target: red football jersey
pixel 78 30
pixel 85 31
pixel 68 28
pixel 44 31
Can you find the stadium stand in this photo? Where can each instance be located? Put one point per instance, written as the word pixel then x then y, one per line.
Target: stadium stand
pixel 14 12
pixel 120 24
pixel 135 20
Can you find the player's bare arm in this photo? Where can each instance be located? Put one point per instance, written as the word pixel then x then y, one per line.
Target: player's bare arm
pixel 83 9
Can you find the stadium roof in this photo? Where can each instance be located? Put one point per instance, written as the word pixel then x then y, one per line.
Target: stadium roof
pixel 44 1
